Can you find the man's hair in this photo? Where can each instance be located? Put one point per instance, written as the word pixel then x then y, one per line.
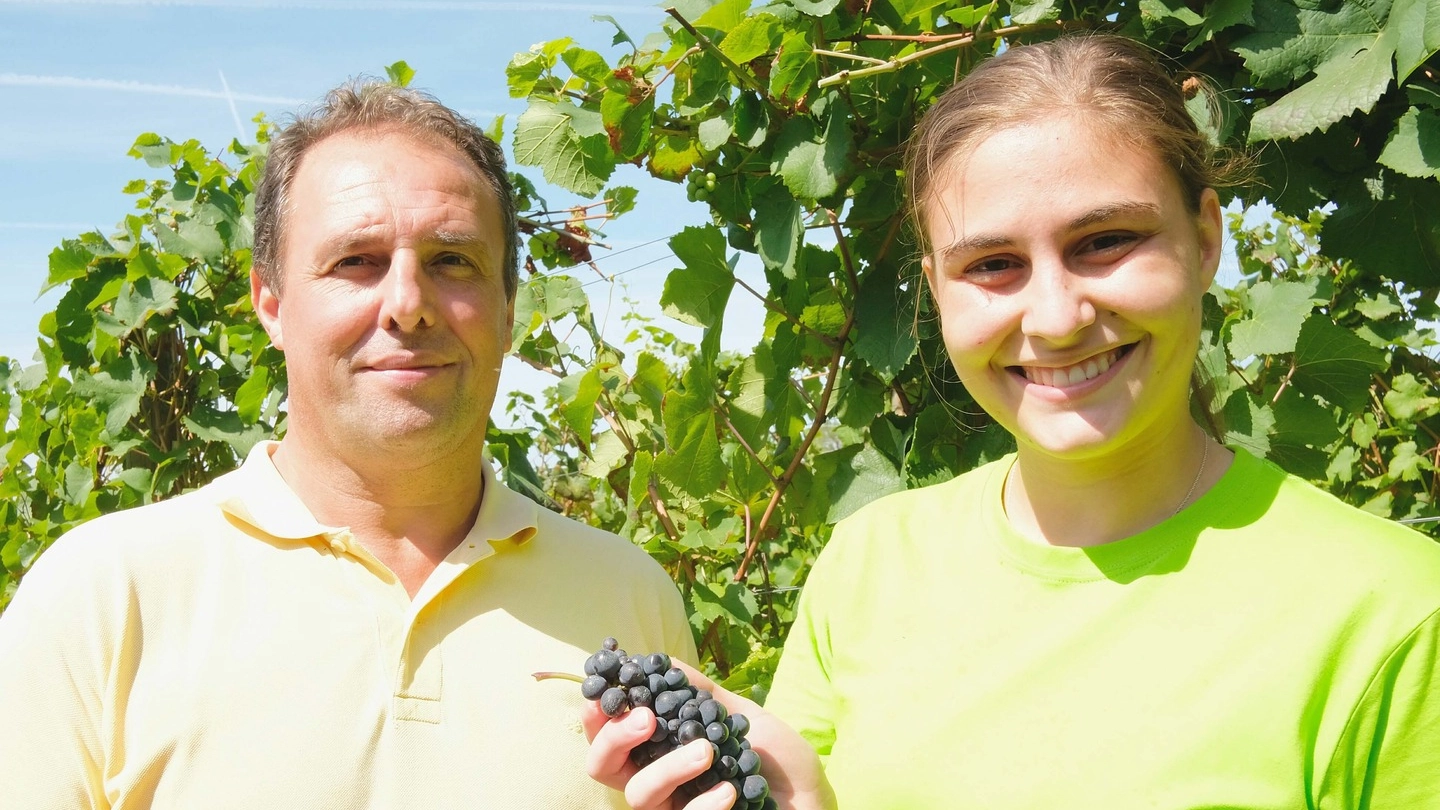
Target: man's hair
pixel 373 106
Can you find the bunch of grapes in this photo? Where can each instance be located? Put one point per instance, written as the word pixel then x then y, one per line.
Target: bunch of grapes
pixel 683 714
pixel 698 185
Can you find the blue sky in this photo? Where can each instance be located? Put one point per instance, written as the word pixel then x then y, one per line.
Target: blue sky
pixel 80 80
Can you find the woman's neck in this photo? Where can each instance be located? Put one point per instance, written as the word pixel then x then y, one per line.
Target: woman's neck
pixel 1088 502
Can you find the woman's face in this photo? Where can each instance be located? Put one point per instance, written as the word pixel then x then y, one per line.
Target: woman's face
pixel 1069 274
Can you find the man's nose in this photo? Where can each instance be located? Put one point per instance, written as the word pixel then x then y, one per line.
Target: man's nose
pixel 1058 304
pixel 407 294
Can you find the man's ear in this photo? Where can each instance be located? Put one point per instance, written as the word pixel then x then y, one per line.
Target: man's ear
pixel 267 308
pixel 510 323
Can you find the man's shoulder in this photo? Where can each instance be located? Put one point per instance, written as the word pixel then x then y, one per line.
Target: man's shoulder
pixel 162 530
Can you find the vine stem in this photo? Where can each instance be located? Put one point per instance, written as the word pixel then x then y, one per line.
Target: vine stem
pixel 535 223
pixel 703 41
pixel 564 676
pixel 822 411
pixel 956 41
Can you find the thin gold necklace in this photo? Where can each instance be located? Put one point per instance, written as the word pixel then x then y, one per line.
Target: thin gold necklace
pixel 1204 455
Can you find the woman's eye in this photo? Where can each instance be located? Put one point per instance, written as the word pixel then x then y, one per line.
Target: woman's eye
pixel 1111 241
pixel 990 267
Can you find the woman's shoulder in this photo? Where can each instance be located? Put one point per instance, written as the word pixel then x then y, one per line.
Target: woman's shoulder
pixel 1322 533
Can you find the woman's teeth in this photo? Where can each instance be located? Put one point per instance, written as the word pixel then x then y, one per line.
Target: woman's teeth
pixel 1071 375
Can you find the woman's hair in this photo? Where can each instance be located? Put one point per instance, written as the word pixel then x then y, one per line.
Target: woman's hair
pixel 1115 84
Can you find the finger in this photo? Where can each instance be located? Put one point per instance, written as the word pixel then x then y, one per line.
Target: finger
pixel 609 759
pixel 652 785
pixel 592 719
pixel 720 797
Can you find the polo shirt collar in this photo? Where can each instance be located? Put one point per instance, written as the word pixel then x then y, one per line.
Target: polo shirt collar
pixel 257 495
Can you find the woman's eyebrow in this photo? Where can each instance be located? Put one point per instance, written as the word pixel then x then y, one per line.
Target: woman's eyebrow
pixel 1105 213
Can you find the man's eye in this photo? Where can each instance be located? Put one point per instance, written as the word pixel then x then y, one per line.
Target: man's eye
pixel 352 261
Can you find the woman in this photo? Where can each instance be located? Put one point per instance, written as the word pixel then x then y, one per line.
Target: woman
pixel 1124 613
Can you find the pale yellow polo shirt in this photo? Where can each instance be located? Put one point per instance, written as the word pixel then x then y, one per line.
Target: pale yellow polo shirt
pixel 222 649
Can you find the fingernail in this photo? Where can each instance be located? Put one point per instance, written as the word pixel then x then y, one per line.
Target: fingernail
pixel 700 751
pixel 638 721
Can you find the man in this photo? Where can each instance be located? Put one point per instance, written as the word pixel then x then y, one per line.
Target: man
pixel 350 619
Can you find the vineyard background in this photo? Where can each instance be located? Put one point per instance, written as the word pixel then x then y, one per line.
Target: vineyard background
pixel 729 467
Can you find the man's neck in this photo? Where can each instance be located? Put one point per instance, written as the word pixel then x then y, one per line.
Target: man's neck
pixel 408 513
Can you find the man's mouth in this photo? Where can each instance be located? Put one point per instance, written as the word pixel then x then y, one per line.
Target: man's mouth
pixel 1066 376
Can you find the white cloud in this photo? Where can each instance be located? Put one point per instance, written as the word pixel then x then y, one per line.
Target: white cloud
pixel 366 5
pixel 127 86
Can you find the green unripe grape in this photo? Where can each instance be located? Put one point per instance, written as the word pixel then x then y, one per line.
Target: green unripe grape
pixel 709 185
pixel 701 194
pixel 709 177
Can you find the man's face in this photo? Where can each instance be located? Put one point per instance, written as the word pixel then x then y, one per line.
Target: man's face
pixel 392 311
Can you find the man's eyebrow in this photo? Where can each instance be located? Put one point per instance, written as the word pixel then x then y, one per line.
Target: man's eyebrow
pixel 980 243
pixel 352 241
pixel 446 238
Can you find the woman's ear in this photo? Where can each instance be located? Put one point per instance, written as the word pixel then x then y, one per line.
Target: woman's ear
pixel 1210 226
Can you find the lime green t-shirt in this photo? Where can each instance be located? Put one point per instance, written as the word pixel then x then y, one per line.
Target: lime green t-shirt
pixel 1268 647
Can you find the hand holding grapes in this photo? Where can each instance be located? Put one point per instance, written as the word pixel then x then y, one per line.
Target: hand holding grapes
pixel 790 766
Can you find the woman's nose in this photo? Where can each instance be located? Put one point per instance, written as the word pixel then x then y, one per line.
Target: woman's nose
pixel 1058 305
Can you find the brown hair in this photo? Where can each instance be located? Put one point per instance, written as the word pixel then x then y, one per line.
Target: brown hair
pixel 1113 81
pixel 374 105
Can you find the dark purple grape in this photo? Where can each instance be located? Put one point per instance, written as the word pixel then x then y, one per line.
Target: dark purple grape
pixel 610 644
pixel 613 702
pixel 704 781
pixel 769 803
pixel 739 724
pixel 717 733
pixel 630 675
pixel 731 748
pixel 703 695
pixel 675 678
pixel 727 767
pixel 657 684
pixel 593 687
pixel 622 655
pixel 690 731
pixel 711 711
pixel 639 696
pixel 667 704
pixel 661 731
pixel 749 762
pixel 657 664
pixel 590 665
pixel 607 665
pixel 755 788
pixel 673 724
pixel 690 711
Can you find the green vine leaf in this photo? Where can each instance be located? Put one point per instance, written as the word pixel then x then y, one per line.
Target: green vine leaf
pixel 697 292
pixel 1335 364
pixel 546 135
pixel 1414 147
